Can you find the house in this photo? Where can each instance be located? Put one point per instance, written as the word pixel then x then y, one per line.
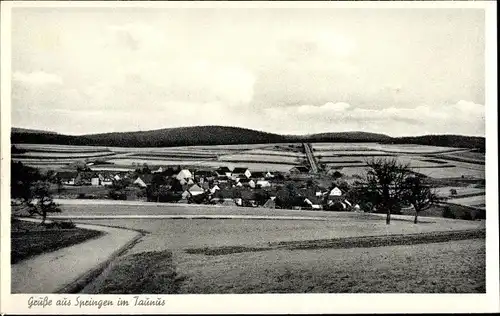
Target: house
pixel 95 181
pixel 313 202
pixel 299 169
pixel 159 170
pixel 223 171
pixel 196 190
pixel 271 203
pixel 268 175
pixel 106 181
pixel 258 175
pixel 222 179
pixel 67 177
pixel 117 177
pixel 185 195
pixel 263 184
pixel 335 192
pixel 184 174
pixel 214 189
pixel 144 180
pixel 247 183
pixel 241 172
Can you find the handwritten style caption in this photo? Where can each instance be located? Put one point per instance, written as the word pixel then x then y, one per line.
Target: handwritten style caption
pixel 45 301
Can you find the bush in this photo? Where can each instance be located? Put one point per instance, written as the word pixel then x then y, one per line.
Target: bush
pixel 66 225
pixel 117 195
pixel 447 212
pixel 467 216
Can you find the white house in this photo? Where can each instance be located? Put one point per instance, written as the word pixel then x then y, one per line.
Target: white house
pixel 159 170
pixel 263 183
pixel 184 174
pixel 214 189
pixel 140 183
pixel 117 177
pixel 242 172
pixel 185 195
pixel 269 175
pixel 335 192
pixel 314 206
pixel 196 190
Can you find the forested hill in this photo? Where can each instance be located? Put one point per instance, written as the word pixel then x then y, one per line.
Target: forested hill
pixel 224 135
pixel 182 136
pixel 478 143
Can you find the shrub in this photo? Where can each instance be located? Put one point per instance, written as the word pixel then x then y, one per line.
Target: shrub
pixel 447 212
pixel 467 215
pixel 66 225
pixel 117 195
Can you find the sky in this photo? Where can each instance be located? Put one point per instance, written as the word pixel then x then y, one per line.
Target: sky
pixel 401 72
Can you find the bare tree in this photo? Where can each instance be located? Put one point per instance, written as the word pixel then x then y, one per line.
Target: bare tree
pixel 420 195
pixel 41 201
pixel 384 184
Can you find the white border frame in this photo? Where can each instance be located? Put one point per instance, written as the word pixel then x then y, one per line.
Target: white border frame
pixel 273 303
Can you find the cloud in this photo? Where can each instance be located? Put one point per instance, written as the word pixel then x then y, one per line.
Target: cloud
pixel 463 117
pixel 276 70
pixel 37 78
pixel 325 109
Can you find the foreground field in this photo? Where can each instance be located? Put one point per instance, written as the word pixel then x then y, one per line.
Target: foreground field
pixel 289 256
pixel 168 234
pixel 451 267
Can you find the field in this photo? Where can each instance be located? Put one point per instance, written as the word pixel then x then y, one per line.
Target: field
pixel 30 239
pixel 475 201
pixel 264 157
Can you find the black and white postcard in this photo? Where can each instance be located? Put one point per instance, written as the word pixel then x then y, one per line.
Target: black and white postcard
pixel 249 157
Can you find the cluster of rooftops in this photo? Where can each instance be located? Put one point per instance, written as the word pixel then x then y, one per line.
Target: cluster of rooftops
pixel 238 186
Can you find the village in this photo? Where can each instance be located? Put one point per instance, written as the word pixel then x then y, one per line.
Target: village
pixel 240 186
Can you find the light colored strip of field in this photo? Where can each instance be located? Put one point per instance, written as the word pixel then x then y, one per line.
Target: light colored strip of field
pixel 469 201
pixel 201 216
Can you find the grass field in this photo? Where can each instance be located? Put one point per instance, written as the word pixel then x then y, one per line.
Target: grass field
pixel 479 200
pixel 387 148
pixel 167 253
pixel 346 252
pixel 445 191
pixel 452 267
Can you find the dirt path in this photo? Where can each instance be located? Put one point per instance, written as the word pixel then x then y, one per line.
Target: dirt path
pixel 60 270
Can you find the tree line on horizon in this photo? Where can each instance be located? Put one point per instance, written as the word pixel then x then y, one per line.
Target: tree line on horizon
pixel 223 135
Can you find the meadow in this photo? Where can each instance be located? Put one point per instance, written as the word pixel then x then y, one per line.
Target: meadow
pixel 285 256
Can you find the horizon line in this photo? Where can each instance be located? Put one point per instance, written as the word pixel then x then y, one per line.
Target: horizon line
pixel 245 128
